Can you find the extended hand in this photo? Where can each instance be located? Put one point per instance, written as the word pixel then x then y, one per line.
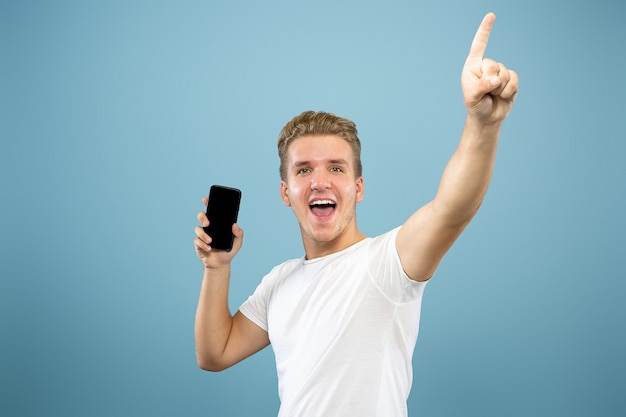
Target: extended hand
pixel 489 88
pixel 213 258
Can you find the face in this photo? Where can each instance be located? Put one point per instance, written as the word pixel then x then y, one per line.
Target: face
pixel 322 189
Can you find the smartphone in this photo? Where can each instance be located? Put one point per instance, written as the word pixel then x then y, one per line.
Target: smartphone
pixel 222 212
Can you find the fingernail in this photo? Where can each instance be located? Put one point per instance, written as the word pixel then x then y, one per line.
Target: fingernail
pixel 494 81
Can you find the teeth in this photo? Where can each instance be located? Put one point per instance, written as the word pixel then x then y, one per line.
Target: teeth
pixel 322 202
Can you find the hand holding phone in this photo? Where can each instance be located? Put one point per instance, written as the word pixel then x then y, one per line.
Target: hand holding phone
pixel 222 211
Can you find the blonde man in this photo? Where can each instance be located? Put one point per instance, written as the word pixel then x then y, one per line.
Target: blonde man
pixel 343 319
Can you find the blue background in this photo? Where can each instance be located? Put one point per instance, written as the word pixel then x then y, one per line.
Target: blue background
pixel 117 116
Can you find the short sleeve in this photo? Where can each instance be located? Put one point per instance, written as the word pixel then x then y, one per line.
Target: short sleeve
pixel 256 307
pixel 387 271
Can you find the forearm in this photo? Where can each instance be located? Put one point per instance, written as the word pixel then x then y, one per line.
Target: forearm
pixel 468 173
pixel 213 318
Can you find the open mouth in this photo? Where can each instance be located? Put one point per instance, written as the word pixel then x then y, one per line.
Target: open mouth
pixel 322 207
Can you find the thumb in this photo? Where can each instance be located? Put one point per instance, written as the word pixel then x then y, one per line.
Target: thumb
pixel 480 88
pixel 238 232
pixel 486 86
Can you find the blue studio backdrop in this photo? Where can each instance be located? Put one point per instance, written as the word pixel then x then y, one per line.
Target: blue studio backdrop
pixel 117 116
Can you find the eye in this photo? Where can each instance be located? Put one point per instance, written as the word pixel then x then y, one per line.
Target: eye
pixel 303 171
pixel 336 169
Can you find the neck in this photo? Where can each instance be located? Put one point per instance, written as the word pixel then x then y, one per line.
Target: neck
pixel 316 249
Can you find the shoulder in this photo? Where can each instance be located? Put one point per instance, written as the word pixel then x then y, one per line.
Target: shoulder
pixel 286 266
pixel 280 271
pixel 385 241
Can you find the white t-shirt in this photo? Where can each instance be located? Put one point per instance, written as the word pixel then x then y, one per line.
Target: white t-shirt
pixel 343 328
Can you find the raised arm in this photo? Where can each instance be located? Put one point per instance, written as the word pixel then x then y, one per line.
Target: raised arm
pixel 489 91
pixel 222 340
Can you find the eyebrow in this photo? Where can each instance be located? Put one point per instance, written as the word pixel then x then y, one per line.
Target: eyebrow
pixel 340 161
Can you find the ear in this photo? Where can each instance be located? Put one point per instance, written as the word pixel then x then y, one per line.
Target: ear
pixel 360 191
pixel 284 194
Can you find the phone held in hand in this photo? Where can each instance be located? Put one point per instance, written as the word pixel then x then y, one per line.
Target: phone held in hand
pixel 222 212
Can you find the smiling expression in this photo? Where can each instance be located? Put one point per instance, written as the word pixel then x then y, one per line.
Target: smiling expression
pixel 322 189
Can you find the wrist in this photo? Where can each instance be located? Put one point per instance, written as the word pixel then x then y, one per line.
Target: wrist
pixel 478 130
pixel 211 271
pixel 479 124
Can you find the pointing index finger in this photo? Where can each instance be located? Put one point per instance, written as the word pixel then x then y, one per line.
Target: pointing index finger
pixel 479 44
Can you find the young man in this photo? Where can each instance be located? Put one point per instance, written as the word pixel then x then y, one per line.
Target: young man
pixel 343 320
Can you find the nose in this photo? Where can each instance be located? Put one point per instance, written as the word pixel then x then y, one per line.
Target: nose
pixel 320 180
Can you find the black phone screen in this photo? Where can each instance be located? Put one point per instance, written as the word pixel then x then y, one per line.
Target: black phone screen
pixel 222 212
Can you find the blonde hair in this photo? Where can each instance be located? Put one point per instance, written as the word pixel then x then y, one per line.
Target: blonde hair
pixel 318 123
